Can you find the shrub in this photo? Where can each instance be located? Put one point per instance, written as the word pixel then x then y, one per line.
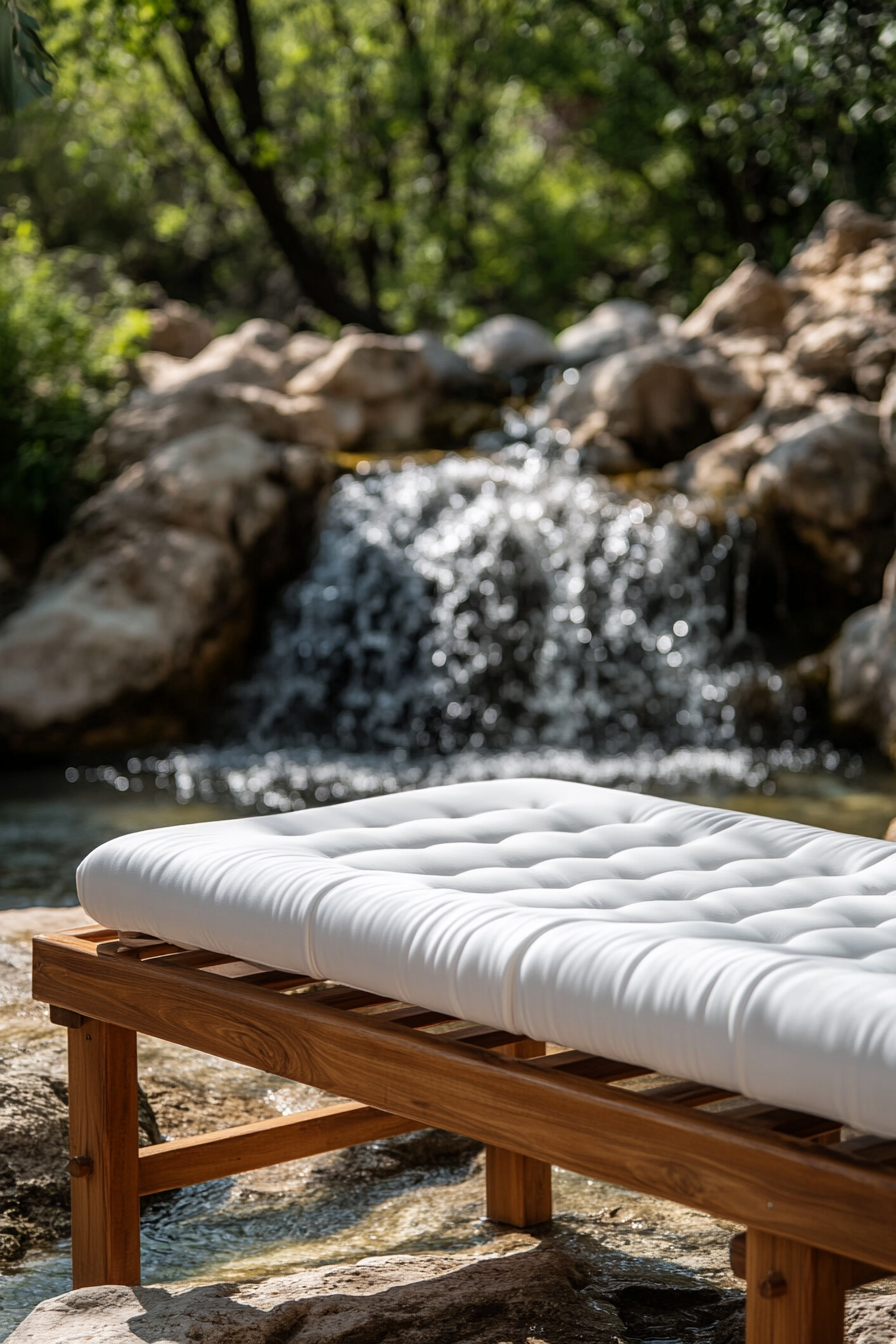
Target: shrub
pixel 67 328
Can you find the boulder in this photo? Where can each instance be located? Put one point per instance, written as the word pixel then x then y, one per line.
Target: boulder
pixel 788 395
pixel 721 388
pixel 649 399
pixel 300 351
pixel 664 399
pixel 871 365
pixel 34 1181
pixel 508 344
pixel 367 368
pixel 752 354
pixel 251 354
pixel 828 468
pixel 828 478
pixel 619 324
pixel 448 369
pixel 751 298
pixel 150 420
pixel 718 468
pixel 327 423
pixel 862 669
pixel 571 399
pixel 151 593
pixel 178 329
pixel 460 1298
pixel 844 229
pixel 602 452
pixel 826 349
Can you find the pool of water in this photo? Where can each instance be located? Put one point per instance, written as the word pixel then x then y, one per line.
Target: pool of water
pixel 48 824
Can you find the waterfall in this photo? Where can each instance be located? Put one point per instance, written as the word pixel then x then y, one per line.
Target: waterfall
pixel 509 602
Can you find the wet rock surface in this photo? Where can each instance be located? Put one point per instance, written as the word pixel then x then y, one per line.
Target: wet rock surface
pixel 34 1181
pixel 509 1291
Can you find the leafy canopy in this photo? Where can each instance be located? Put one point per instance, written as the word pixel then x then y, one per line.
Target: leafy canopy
pixel 66 329
pixel 25 63
pixel 399 162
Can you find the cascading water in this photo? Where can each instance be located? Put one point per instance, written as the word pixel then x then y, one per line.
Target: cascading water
pixel 504 603
pixel 496 616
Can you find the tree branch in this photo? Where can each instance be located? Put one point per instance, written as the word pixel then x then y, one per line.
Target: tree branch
pixel 433 132
pixel 313 272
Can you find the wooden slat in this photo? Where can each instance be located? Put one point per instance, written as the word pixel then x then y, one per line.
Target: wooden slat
pixel 340 996
pixel 777 1120
pixel 412 1017
pixel 869 1148
pixel 227 1152
pixel 687 1094
pixel 278 980
pixel 148 952
pixel 487 1038
pixel 199 960
pixel 578 1064
pixel 691 1157
pixel 85 936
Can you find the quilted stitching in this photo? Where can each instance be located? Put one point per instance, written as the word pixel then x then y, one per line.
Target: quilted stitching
pixel 737 950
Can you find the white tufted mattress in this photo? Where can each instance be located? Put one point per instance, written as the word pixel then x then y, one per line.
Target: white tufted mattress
pixel 735 950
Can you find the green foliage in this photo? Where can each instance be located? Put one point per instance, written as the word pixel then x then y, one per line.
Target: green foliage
pixel 431 161
pixel 65 332
pixel 25 63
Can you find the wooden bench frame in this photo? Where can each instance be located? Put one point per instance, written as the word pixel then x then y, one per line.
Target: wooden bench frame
pixel 820 1210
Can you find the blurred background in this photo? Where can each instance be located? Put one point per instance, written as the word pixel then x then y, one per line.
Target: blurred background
pixel 395 392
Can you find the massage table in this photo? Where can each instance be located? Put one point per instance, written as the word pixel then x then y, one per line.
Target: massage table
pixel 689 1002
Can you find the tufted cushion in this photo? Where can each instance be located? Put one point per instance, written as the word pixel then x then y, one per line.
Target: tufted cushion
pixel 735 950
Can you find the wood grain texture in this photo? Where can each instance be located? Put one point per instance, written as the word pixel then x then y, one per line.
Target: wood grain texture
pixel 795 1293
pixel 517 1188
pixel 103 1127
pixel 227 1152
pixel 801 1192
pixel 854 1272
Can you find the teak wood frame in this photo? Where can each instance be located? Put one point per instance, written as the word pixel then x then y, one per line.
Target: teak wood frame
pixel 820 1211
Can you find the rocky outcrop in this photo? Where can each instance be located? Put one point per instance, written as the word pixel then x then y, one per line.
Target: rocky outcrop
pixel 153 592
pixel 828 476
pixel 619 324
pixel 507 1290
pixel 758 351
pixel 424 1299
pixel 151 420
pixel 364 392
pixel 508 344
pixel 662 399
pixel 751 299
pixel 862 669
pixel 179 330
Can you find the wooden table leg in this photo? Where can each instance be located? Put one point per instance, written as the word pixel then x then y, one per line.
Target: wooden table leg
pixel 517 1188
pixel 102 1071
pixel 795 1293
